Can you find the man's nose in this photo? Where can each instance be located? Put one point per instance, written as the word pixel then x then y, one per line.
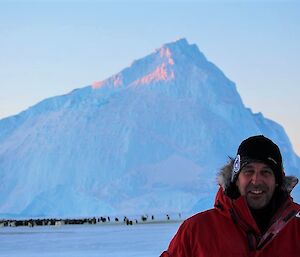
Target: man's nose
pixel 256 178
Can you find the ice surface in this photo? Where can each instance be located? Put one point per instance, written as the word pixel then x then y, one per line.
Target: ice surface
pixel 142 240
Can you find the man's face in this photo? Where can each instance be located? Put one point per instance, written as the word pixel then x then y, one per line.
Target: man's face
pixel 256 182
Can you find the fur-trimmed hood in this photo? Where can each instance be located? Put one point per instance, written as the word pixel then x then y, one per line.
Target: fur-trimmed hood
pixel 224 178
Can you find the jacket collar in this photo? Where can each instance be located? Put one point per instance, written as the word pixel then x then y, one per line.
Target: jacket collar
pixel 237 210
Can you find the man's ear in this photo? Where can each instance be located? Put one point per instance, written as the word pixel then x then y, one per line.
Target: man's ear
pixel 237 182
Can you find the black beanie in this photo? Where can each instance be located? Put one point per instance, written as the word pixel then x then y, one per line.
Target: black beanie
pixel 261 149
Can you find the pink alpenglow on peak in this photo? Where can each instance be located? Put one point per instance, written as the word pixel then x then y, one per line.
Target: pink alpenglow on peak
pixel 165 52
pixel 161 73
pixel 97 84
pixel 116 82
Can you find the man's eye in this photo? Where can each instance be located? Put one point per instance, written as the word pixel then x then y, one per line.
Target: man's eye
pixel 267 172
pixel 247 172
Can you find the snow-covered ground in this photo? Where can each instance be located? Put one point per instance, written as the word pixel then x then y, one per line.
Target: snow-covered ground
pixel 142 240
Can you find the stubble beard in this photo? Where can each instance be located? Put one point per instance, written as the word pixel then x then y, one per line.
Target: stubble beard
pixel 258 196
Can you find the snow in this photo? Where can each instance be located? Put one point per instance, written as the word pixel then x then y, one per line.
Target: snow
pixel 142 240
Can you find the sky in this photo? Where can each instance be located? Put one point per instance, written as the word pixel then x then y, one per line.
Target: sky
pixel 49 48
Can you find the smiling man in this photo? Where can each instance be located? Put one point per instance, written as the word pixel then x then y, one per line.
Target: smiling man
pixel 257 183
pixel 254 214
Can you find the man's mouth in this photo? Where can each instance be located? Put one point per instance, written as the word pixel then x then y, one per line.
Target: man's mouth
pixel 256 192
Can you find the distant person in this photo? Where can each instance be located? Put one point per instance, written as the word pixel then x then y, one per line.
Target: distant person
pixel 254 214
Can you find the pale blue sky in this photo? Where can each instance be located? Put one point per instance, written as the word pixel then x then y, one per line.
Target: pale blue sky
pixel 48 48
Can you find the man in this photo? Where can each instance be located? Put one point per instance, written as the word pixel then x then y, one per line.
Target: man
pixel 254 214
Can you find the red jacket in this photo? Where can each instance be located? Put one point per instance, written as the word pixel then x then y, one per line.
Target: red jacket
pixel 229 230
